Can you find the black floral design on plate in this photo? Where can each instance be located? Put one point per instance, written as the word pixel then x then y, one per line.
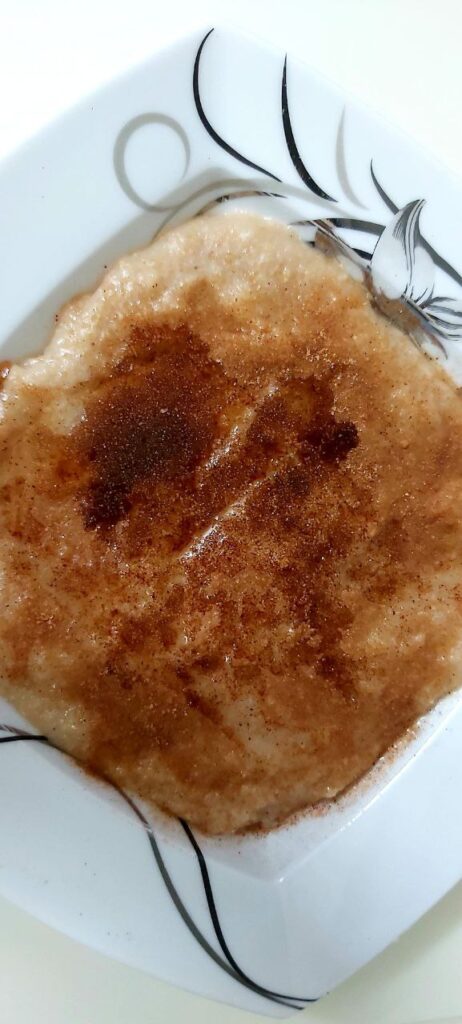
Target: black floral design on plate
pixel 400 262
pixel 11 734
pixel 208 127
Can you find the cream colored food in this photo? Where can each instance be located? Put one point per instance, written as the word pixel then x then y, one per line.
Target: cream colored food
pixel 230 537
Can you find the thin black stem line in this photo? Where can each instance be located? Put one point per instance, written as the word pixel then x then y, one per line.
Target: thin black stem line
pixel 216 922
pixel 208 127
pixel 380 189
pixel 370 227
pixel 190 923
pixel 294 154
pixel 434 300
pixel 362 253
pixel 17 738
pixel 231 968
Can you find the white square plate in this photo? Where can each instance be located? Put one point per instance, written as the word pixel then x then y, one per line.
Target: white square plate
pixel 266 923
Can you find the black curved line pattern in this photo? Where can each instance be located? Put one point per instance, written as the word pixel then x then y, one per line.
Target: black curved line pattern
pixel 18 738
pixel 418 299
pixel 216 922
pixel 186 917
pixel 302 171
pixel 434 300
pixel 369 227
pixel 383 195
pixel 439 260
pixel 352 224
pixel 297 161
pixel 440 320
pixel 230 196
pixel 208 127
pixel 230 968
pixel 362 253
pixel 248 192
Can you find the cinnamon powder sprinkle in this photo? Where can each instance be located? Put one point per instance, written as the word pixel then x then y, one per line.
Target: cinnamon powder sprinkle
pixel 230 542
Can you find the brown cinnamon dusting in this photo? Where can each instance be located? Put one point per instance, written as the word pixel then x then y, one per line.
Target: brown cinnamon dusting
pixel 242 559
pixel 153 421
pixel 158 417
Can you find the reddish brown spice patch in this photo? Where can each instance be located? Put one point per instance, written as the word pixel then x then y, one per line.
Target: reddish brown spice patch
pixel 333 440
pixel 153 420
pixel 160 414
pixel 229 571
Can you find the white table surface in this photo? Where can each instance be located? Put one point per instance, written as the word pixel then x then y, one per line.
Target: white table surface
pixel 403 58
